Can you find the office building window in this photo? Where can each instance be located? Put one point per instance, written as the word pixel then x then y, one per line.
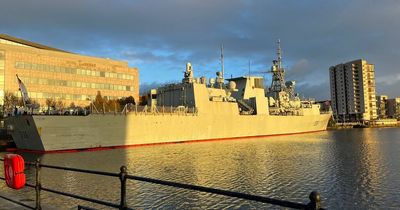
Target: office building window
pixel 69 70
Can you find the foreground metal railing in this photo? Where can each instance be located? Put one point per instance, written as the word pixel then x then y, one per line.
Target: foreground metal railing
pixel 314 204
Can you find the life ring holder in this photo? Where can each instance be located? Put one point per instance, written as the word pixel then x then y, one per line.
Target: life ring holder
pixel 14 166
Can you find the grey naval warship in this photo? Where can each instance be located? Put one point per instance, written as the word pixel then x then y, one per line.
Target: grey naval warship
pixel 193 110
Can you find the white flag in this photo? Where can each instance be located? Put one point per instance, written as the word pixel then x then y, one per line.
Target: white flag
pixel 24 91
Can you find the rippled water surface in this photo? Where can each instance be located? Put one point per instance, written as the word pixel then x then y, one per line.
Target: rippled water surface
pixel 352 169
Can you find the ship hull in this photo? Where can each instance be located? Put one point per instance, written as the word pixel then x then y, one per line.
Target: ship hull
pixel 58 133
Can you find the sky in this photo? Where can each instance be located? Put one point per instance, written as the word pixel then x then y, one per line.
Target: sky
pixel 161 36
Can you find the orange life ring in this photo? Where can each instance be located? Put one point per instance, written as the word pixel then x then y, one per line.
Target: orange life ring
pixel 14 171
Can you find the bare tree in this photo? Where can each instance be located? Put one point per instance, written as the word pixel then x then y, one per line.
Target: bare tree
pixel 10 101
pixel 98 101
pixel 128 100
pixel 34 104
pixel 72 105
pixel 60 105
pixel 50 102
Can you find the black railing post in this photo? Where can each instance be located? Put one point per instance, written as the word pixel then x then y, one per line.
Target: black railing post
pixel 38 184
pixel 122 178
pixel 315 201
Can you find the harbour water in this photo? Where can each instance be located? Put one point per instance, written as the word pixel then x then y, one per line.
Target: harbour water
pixel 352 169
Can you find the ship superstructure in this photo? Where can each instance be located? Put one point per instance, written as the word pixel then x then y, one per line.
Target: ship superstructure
pixel 195 109
pixel 282 96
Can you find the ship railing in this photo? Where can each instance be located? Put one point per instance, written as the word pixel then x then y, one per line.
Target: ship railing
pixel 159 110
pixel 129 108
pixel 285 112
pixel 325 112
pixel 123 176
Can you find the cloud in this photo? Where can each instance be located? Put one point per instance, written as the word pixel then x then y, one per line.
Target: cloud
pixel 159 37
pixel 318 91
pixel 299 70
pixel 148 56
pixel 388 80
pixel 145 87
pixel 388 85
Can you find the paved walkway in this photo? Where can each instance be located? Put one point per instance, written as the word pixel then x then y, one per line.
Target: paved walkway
pixel 6 205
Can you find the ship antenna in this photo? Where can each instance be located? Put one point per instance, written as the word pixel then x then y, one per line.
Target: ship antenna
pixel 222 61
pixel 279 53
pixel 249 67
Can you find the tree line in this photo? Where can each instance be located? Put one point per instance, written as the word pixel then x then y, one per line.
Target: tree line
pixel 111 105
pixel 100 103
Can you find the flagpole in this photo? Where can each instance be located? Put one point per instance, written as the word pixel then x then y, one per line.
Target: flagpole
pixel 20 90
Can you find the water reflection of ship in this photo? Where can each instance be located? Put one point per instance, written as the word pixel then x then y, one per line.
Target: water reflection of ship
pixel 189 111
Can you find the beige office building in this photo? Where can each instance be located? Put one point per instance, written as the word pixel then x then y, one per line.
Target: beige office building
pixel 352 86
pixel 53 73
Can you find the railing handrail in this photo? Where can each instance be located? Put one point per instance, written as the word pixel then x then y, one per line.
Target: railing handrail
pixel 314 203
pixel 75 169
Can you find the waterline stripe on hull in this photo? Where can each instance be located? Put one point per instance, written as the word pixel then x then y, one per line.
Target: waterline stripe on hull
pixel 152 144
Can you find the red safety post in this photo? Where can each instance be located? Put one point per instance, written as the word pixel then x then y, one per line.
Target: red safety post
pixel 14 171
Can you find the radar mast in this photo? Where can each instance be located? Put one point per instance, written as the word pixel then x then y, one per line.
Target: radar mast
pixel 222 62
pixel 278 73
pixel 220 74
pixel 279 53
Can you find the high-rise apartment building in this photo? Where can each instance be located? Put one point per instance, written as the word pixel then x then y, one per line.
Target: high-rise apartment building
pixel 53 73
pixel 353 91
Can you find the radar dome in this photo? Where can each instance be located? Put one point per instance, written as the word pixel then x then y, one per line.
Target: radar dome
pixel 232 85
pixel 212 81
pixel 188 66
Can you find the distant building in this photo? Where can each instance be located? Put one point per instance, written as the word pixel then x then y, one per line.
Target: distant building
pixel 353 91
pixel 381 104
pixel 393 108
pixel 53 73
pixel 325 106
